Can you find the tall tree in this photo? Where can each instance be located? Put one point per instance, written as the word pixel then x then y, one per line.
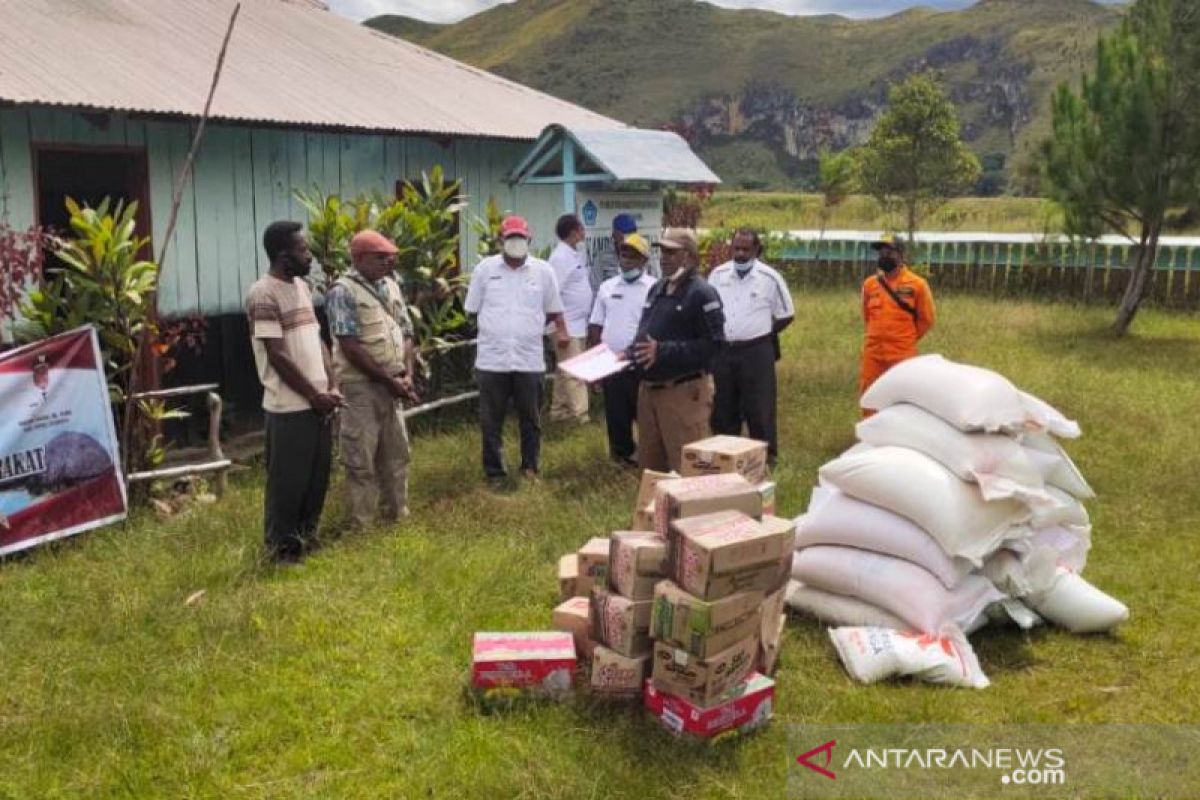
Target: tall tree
pixel 1125 147
pixel 915 159
pixel 837 175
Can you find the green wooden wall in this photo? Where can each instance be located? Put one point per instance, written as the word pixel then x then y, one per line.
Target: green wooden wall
pixel 243 180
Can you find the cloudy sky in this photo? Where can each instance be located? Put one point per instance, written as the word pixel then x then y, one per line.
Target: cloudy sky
pixel 452 10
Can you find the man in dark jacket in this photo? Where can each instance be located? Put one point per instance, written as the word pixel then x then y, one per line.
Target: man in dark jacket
pixel 682 328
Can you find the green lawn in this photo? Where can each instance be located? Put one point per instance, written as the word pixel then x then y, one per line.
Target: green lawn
pixel 343 677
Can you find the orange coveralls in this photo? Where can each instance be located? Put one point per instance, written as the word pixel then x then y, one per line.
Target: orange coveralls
pixel 892 333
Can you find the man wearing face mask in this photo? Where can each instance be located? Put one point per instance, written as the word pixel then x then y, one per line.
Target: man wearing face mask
pixel 758 307
pixel 374 354
pixel 569 401
pixel 300 393
pixel 681 330
pixel 614 322
pixel 607 264
pixel 897 308
pixel 512 297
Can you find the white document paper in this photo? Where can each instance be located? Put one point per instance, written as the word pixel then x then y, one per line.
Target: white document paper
pixel 593 365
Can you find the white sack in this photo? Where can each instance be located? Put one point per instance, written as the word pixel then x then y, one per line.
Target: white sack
pixel 872 654
pixel 1076 605
pixel 1055 465
pixel 997 463
pixel 918 488
pixel 1066 545
pixel 969 398
pixel 836 609
pixel 1066 511
pixel 835 518
pixel 904 589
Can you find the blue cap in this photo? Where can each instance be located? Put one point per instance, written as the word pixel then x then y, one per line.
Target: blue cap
pixel 625 223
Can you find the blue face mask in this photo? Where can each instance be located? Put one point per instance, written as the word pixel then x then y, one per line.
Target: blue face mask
pixel 743 267
pixel 631 275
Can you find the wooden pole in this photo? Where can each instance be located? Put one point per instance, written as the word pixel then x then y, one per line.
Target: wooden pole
pixel 172 219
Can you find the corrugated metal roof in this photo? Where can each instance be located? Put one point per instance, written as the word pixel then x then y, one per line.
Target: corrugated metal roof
pixel 289 63
pixel 625 154
pixel 636 154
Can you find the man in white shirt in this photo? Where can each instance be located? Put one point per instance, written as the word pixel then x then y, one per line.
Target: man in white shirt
pixel 614 322
pixel 569 402
pixel 512 296
pixel 758 306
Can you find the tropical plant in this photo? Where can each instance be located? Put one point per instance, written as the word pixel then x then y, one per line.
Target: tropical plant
pixel 1126 146
pixel 424 224
pixel 487 229
pixel 22 255
pixel 915 160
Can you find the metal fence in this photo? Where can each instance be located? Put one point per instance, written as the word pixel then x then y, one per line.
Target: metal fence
pixel 1003 264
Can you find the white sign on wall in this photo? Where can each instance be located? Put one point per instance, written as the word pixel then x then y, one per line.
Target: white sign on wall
pixel 597 210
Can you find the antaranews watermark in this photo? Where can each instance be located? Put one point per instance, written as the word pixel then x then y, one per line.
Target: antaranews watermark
pixel 994 761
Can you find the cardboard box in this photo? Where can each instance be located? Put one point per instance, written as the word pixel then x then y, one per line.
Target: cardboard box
pixel 767 490
pixel 702 681
pixel 715 555
pixel 574 617
pixel 747 707
pixel 538 663
pixel 615 674
pixel 704 628
pixel 691 497
pixel 643 507
pixel 650 479
pixel 593 566
pixel 643 519
pixel 568 577
pixel 726 454
pixel 774 618
pixel 637 561
pixel 621 624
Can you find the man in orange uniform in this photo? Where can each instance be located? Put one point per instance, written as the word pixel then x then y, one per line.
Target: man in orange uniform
pixel 897 309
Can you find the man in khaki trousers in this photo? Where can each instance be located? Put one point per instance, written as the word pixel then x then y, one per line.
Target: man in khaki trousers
pixel 373 353
pixel 681 331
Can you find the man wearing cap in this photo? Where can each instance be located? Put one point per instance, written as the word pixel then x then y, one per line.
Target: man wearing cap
pixel 681 330
pixel 607 264
pixel 614 321
pixel 757 308
pixel 374 354
pixel 513 296
pixel 569 402
pixel 897 308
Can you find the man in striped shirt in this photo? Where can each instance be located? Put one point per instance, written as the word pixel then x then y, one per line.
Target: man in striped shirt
pixel 300 393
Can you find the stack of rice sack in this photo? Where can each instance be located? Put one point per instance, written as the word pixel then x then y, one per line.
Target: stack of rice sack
pixel 687 615
pixel 958 506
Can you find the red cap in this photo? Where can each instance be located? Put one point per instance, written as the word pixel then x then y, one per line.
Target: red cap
pixel 365 242
pixel 515 226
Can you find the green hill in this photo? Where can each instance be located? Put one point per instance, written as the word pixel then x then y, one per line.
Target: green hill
pixel 759 93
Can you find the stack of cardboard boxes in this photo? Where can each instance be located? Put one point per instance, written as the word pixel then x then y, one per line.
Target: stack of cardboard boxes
pixel 686 610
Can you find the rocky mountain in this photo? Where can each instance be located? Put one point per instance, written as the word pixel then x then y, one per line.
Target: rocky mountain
pixel 759 94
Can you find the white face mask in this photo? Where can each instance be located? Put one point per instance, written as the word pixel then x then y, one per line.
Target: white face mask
pixel 516 247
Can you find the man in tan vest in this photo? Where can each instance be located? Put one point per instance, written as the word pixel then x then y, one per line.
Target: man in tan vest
pixel 373 354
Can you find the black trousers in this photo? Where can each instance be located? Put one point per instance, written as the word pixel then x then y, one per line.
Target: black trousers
pixel 299 449
pixel 496 389
pixel 620 412
pixel 744 378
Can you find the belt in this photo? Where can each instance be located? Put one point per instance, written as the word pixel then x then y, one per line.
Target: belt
pixel 691 376
pixel 749 342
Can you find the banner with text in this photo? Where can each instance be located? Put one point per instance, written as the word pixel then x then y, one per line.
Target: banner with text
pixel 59 466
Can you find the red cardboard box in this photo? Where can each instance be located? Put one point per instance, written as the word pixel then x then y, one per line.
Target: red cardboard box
pixel 745 708
pixel 541 662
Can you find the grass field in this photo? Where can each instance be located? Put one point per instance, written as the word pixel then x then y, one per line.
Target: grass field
pixel 782 211
pixel 343 677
